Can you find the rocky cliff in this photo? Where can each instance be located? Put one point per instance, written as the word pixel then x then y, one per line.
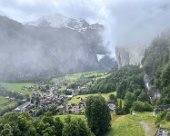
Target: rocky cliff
pixel 129 55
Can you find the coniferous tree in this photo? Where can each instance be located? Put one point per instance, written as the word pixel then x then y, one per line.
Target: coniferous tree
pixel 98 115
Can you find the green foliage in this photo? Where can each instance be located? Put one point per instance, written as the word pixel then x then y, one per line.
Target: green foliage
pixel 74 100
pixel 168 116
pixel 58 126
pixel 129 99
pixel 98 115
pixel 165 77
pixel 18 87
pixel 8 105
pixel 75 127
pixel 113 98
pixel 127 78
pixel 6 130
pixel 125 126
pixel 142 96
pixel 21 124
pixel 157 65
pixel 160 117
pixel 163 116
pixel 46 125
pixel 141 106
pixel 120 109
pixel 151 61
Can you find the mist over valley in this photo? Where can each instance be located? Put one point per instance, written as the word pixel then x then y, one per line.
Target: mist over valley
pixel 84 68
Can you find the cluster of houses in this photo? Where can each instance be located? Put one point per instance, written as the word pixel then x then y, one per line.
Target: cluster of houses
pixel 44 100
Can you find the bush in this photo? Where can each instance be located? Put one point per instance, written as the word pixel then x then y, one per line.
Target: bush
pixel 147 107
pixel 76 127
pixel 137 106
pixel 168 116
pixel 113 98
pixel 141 106
pixel 160 117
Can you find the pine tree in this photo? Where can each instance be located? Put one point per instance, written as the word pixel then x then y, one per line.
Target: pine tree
pixel 98 115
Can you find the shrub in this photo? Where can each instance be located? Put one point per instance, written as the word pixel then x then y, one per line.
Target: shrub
pixel 137 106
pixel 168 116
pixel 113 98
pixel 147 107
pixel 160 117
pixel 141 106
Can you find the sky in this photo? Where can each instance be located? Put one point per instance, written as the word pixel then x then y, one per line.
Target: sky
pixel 126 22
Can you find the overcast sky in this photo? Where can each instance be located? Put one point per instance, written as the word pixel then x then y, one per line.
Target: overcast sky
pixel 125 21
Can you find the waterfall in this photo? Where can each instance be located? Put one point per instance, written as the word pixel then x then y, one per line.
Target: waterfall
pixel 151 91
pixel 147 85
pixel 147 82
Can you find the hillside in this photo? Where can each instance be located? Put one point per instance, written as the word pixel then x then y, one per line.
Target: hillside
pixel 157 66
pixel 30 52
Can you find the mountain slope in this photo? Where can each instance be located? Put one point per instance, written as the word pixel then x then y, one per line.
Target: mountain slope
pixel 30 52
pixel 59 21
pixel 156 63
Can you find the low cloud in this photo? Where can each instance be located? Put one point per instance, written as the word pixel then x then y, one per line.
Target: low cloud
pixel 127 22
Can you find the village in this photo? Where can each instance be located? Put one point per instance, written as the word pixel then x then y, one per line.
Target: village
pixel 58 102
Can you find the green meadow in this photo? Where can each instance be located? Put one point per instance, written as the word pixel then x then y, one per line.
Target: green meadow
pixel 17 87
pixel 76 99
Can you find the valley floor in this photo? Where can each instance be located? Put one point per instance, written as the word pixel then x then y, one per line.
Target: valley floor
pixel 138 124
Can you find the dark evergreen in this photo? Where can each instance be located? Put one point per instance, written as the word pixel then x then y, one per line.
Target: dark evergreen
pixel 98 115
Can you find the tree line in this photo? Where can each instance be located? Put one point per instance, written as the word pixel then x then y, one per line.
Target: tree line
pixel 22 124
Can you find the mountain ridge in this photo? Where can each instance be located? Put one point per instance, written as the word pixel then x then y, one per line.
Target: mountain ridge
pixel 58 21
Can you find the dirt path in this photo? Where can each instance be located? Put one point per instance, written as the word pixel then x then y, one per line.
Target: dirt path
pixel 148 128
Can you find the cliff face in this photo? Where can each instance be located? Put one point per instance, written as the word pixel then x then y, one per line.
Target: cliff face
pixel 129 55
pixel 122 57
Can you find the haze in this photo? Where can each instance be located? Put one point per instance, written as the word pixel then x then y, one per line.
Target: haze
pixel 126 21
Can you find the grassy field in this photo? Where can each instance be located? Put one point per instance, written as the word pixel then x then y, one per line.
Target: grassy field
pixel 96 74
pixel 150 121
pixel 139 124
pixel 143 116
pixel 8 105
pixel 71 77
pixel 147 121
pixel 165 125
pixel 74 77
pixel 76 99
pixel 17 87
pixel 3 100
pixel 124 126
pixel 5 103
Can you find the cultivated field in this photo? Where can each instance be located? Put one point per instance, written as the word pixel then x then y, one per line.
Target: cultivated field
pixel 18 87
